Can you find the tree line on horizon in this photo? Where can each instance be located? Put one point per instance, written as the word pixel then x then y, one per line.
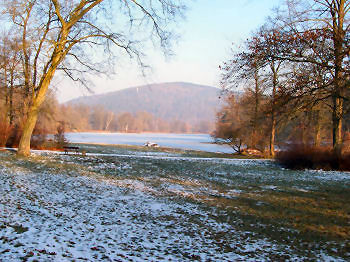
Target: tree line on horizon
pixel 293 75
pixel 82 118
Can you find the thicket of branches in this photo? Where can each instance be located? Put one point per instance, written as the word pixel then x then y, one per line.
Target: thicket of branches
pixel 290 81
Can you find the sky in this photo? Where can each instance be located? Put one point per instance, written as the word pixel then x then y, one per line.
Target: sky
pixel 207 34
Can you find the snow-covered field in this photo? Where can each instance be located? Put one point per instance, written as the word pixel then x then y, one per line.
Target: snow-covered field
pixel 166 207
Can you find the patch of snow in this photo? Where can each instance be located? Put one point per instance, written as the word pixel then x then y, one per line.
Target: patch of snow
pixel 66 217
pixel 269 187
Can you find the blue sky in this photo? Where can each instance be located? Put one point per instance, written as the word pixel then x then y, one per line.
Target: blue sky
pixel 206 37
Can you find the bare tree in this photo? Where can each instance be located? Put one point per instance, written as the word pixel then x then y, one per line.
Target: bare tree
pixel 10 74
pixel 60 34
pixel 256 68
pixel 316 32
pixel 243 72
pixel 233 125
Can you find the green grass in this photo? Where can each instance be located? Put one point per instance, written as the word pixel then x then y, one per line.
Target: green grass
pixel 127 149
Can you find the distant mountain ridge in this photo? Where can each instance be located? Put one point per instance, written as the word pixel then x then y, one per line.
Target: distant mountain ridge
pixel 183 101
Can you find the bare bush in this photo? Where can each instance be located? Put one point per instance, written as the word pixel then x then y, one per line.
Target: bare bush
pixel 59 138
pixel 308 157
pixel 5 131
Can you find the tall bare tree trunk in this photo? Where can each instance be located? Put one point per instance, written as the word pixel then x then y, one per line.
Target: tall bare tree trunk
pixel 26 62
pixel 337 125
pixel 254 139
pixel 24 144
pixel 11 113
pixel 304 126
pixel 110 116
pixel 273 109
pixel 6 87
pixel 273 135
pixel 338 15
pixel 317 138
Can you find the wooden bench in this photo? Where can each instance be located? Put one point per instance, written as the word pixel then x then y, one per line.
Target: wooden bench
pixel 68 149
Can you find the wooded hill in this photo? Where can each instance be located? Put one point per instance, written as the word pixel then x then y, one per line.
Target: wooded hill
pixel 187 102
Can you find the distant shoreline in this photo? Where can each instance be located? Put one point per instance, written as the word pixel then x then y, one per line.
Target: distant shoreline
pixel 135 133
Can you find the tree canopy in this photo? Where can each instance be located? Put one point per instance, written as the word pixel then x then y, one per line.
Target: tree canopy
pixel 299 62
pixel 79 37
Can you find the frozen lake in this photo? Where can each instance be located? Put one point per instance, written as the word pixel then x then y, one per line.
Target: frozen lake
pixel 183 141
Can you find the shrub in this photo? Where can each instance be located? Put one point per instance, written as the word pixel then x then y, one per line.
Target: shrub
pixel 15 136
pixel 59 138
pixel 39 138
pixel 38 141
pixel 5 131
pixel 308 157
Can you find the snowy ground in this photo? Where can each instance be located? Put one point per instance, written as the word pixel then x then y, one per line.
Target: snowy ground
pixel 166 207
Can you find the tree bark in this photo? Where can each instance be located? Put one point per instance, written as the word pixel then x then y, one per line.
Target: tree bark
pixel 317 139
pixel 11 113
pixel 273 108
pixel 254 139
pixel 338 15
pixel 337 125
pixel 272 136
pixel 24 144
